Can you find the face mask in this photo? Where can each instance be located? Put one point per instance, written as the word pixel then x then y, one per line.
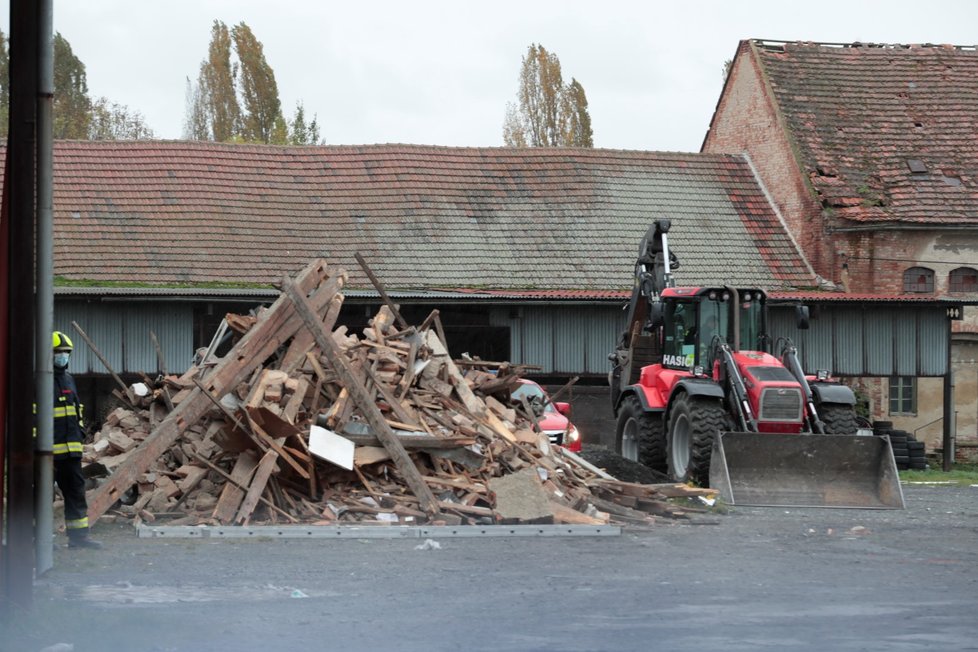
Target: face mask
pixel 61 359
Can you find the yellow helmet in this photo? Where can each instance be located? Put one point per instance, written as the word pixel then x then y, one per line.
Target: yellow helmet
pixel 61 342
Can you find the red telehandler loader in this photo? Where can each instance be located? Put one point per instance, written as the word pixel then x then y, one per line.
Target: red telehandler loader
pixel 697 395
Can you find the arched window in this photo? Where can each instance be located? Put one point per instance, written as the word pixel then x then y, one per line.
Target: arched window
pixel 918 279
pixel 963 279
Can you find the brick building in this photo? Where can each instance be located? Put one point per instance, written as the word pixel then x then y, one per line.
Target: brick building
pixel 869 154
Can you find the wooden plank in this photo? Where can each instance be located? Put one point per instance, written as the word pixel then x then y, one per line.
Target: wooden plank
pixel 232 495
pixel 264 471
pixel 466 509
pixel 414 442
pixel 273 328
pixel 564 514
pixel 276 445
pixel 380 290
pixel 105 363
pixel 292 408
pixel 364 455
pixel 194 475
pixel 303 341
pixel 364 401
pixel 400 411
pixel 244 488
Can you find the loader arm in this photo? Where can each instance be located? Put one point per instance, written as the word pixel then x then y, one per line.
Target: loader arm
pixel 745 414
pixel 789 356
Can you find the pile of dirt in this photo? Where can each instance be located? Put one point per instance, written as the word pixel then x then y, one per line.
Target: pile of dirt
pixel 621 468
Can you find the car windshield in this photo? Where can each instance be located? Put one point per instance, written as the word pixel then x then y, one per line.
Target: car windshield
pixel 533 394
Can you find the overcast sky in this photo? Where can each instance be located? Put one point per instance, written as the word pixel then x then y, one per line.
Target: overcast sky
pixel 441 73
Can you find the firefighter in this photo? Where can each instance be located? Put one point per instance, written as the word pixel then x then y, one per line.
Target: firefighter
pixel 68 437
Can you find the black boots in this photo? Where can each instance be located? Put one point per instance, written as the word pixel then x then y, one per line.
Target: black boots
pixel 80 539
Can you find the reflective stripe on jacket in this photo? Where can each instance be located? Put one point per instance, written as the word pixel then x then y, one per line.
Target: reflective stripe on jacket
pixel 69 422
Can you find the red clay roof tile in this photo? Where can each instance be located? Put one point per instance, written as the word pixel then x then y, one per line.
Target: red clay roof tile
pixel 858 114
pixel 423 217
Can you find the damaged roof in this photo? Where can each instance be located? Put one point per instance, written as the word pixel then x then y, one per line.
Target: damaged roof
pixel 423 217
pixel 886 133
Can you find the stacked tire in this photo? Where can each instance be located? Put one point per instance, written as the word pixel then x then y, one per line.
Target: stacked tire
pixel 908 453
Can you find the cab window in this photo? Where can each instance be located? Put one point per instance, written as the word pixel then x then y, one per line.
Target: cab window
pixel 679 341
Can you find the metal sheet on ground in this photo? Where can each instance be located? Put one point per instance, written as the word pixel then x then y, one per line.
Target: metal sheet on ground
pixel 373 532
pixel 778 470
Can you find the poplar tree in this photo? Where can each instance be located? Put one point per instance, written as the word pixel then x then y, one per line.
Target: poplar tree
pixel 548 113
pixel 261 120
pixel 216 96
pixel 236 96
pixel 72 108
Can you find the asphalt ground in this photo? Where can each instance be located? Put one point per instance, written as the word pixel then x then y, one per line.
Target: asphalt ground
pixel 748 579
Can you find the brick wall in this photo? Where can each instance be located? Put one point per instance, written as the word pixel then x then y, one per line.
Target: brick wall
pixel 746 120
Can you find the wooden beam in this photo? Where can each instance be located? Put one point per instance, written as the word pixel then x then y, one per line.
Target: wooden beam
pixel 233 492
pixel 273 328
pixel 414 442
pixel 105 363
pixel 380 290
pixel 358 392
pixel 221 472
pixel 258 482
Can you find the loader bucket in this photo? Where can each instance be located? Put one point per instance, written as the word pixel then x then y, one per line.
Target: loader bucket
pixel 805 470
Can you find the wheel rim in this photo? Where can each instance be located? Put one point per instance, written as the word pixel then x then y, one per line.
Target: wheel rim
pixel 680 445
pixel 629 441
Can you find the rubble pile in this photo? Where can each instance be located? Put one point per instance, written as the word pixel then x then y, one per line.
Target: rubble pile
pixel 301 422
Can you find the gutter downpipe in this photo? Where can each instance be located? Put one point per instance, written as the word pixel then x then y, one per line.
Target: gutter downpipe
pixel 948 442
pixel 44 507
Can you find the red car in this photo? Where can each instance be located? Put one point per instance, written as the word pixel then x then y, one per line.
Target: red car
pixel 553 416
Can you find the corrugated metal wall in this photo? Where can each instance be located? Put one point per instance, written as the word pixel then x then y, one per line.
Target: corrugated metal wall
pixel 563 339
pixel 847 340
pixel 121 332
pixel 856 340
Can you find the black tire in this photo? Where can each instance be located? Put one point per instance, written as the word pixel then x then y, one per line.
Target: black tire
pixel 883 425
pixel 916 445
pixel 693 423
pixel 639 435
pixel 918 465
pixel 839 418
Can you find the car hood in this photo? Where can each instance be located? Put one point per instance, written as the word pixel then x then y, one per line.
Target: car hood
pixel 552 421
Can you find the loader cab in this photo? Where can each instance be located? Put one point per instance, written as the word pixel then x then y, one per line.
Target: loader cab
pixel 695 321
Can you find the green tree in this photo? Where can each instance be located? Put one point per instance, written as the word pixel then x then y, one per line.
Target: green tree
pixel 112 121
pixel 217 97
pixel 72 108
pixel 195 124
pixel 548 112
pixel 301 132
pixel 262 119
pixel 576 119
pixel 236 96
pixel 75 115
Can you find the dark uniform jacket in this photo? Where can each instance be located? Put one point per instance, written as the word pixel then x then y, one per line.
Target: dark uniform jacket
pixel 68 418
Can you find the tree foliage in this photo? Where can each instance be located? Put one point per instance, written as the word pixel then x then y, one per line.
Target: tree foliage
pixel 262 108
pixel 236 96
pixel 548 113
pixel 74 114
pixel 216 96
pixel 72 109
pixel 113 121
pixel 302 133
